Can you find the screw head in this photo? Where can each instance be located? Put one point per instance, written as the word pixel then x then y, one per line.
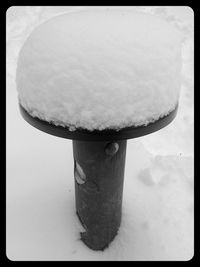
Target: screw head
pixel 111 148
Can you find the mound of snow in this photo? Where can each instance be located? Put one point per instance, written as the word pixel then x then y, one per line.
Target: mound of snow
pixel 98 69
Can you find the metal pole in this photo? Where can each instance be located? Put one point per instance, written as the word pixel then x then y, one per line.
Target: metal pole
pixel 99 175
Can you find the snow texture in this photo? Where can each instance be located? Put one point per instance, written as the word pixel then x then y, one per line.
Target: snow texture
pixel 100 68
pixel 158 200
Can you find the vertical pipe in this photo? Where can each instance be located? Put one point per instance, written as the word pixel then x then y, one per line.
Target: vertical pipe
pixel 99 175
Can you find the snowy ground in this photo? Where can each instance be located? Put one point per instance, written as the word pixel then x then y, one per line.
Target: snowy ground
pixel 158 216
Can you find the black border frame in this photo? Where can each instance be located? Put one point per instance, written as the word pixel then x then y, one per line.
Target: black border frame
pixel 194 6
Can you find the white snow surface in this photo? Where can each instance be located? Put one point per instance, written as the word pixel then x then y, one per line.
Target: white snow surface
pixel 158 199
pixel 100 68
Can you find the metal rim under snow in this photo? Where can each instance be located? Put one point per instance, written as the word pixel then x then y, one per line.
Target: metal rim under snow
pixel 104 135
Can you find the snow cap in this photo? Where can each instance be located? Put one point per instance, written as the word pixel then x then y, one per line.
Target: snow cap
pixel 101 68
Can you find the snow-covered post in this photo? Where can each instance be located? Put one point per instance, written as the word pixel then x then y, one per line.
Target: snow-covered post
pixel 100 77
pixel 99 175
